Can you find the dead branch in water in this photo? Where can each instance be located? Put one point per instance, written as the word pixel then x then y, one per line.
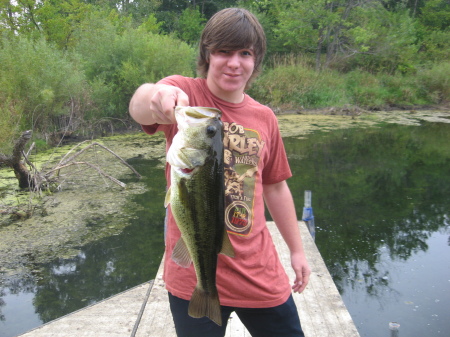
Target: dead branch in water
pixel 64 161
pixel 37 180
pixel 98 169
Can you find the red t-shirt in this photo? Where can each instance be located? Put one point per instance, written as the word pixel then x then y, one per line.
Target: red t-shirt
pixel 254 155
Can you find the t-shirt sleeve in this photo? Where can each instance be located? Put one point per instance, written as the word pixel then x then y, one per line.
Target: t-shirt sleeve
pixel 276 168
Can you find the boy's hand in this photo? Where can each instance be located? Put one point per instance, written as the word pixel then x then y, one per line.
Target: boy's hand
pixel 163 102
pixel 155 103
pixel 302 272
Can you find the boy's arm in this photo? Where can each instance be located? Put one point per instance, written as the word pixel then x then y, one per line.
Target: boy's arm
pixel 279 201
pixel 155 103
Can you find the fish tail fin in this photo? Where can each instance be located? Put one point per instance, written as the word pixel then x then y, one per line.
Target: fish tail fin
pixel 205 304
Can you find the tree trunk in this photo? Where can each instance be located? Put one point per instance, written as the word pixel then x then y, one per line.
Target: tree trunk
pixel 14 161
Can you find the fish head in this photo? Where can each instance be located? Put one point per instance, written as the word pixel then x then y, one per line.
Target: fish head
pixel 199 136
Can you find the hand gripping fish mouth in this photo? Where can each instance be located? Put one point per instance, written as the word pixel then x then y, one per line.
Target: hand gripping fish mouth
pixel 191 145
pixel 196 197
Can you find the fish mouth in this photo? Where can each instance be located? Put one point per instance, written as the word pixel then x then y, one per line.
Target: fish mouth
pixel 186 171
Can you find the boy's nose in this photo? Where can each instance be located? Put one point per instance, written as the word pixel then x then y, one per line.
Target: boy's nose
pixel 233 60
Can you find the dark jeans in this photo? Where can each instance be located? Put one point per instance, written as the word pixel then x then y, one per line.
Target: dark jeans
pixel 280 321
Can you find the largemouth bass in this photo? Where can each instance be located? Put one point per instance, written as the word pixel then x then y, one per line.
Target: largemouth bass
pixel 196 197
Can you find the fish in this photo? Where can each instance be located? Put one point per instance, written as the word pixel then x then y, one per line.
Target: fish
pixel 197 201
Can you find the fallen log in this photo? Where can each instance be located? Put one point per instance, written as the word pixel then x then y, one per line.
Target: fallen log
pixel 42 180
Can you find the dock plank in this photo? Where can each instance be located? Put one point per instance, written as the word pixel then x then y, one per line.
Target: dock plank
pixel 321 309
pixel 113 317
pixel 156 319
pixel 144 310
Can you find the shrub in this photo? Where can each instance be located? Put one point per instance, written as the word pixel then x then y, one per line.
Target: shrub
pixel 434 82
pixel 293 85
pixel 116 63
pixel 365 89
pixel 43 79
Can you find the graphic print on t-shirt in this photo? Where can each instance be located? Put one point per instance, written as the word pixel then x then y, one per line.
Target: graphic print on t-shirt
pixel 243 148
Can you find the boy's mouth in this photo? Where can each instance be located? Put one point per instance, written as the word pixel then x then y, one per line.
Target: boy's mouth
pixel 232 75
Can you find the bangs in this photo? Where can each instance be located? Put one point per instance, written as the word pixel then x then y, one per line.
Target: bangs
pixel 241 35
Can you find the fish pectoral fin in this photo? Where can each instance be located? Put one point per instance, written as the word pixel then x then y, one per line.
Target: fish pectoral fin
pixel 205 304
pixel 167 199
pixel 180 254
pixel 227 247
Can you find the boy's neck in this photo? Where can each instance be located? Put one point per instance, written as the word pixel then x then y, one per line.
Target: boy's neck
pixel 234 97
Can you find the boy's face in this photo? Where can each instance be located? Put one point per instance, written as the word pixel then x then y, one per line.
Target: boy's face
pixel 229 72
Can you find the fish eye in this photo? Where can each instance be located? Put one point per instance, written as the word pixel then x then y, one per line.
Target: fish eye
pixel 211 131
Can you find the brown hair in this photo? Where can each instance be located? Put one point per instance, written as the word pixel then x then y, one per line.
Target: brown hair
pixel 232 29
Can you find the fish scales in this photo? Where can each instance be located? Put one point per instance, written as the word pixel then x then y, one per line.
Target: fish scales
pixel 196 198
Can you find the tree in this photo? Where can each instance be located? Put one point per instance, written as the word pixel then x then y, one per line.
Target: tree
pixel 116 62
pixel 41 88
pixel 434 31
pixel 59 19
pixel 14 161
pixel 317 26
pixel 19 17
pixel 385 40
pixel 190 25
pixel 339 30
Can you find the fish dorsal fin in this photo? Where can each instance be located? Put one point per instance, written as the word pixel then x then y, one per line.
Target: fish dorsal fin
pixel 181 254
pixel 167 199
pixel 227 247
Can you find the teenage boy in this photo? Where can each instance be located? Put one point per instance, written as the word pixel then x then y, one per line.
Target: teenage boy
pixel 253 283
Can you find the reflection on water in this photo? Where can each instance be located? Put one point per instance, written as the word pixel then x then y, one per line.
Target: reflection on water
pixel 100 270
pixel 381 206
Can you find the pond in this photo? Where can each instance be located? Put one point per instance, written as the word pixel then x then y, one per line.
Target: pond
pixel 380 194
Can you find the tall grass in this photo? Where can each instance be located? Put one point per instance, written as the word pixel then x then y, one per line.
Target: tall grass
pixel 292 82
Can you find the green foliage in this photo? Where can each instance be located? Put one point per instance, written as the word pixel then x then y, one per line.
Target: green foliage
pixel 37 84
pixel 293 84
pixel 298 24
pixel 151 24
pixel 59 19
pixel 19 17
pixel 190 25
pixel 434 83
pixel 117 63
pixel 369 53
pixel 364 89
pixel 10 112
pixel 436 15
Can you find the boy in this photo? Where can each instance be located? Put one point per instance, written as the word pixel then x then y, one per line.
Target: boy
pixel 253 283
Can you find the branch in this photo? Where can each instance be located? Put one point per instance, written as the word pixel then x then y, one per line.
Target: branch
pixel 118 157
pixel 64 161
pixel 98 169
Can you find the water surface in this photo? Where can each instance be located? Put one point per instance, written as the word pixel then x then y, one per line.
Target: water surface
pixel 381 198
pixel 381 204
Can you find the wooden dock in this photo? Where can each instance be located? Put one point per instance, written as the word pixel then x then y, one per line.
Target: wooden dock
pixel 144 310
